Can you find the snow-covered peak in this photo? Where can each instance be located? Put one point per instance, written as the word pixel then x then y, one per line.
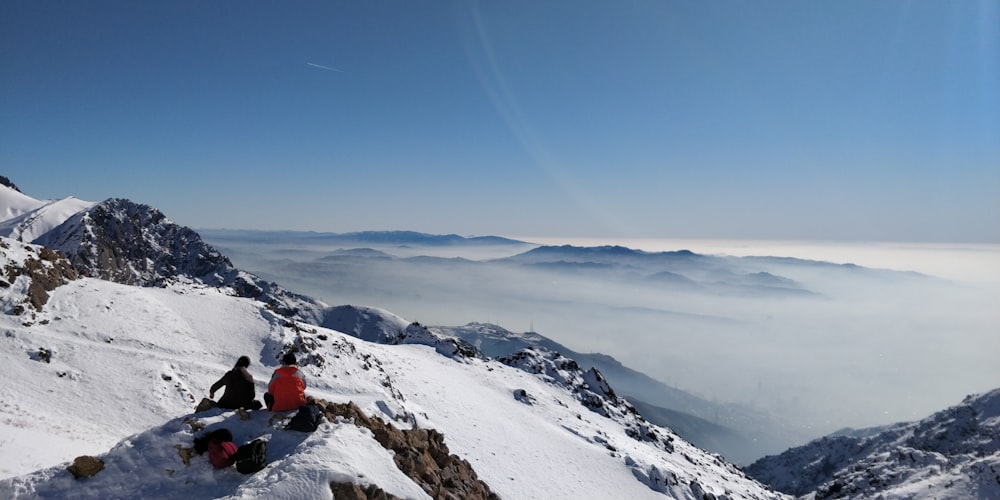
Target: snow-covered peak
pixel 24 218
pixel 135 244
pixel 953 454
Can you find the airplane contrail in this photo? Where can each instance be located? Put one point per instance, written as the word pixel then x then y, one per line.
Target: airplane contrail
pixel 320 66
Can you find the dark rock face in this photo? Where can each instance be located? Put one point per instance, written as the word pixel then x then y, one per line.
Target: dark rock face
pixel 351 491
pixel 134 244
pixel 129 243
pixel 85 466
pixel 6 182
pixel 421 454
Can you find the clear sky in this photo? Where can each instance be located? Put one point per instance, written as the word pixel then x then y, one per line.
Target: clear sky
pixel 847 120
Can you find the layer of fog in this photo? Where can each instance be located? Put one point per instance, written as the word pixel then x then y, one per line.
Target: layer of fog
pixel 842 346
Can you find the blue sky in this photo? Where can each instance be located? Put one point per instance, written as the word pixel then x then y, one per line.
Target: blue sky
pixel 850 120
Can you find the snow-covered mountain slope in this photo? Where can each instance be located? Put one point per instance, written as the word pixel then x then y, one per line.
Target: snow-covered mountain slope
pixel 953 454
pixel 738 432
pixel 111 370
pixel 24 218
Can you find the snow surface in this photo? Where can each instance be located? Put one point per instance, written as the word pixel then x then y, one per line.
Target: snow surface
pixel 129 364
pixel 952 454
pixel 25 218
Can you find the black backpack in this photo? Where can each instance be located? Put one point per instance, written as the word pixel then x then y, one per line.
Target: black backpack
pixel 307 419
pixel 252 456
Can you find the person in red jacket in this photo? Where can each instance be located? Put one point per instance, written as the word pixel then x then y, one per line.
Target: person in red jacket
pixel 287 389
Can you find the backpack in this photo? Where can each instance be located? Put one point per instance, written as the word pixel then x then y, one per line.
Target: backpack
pixel 252 456
pixel 307 419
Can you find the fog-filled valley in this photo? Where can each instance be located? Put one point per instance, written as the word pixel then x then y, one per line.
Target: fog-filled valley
pixel 817 345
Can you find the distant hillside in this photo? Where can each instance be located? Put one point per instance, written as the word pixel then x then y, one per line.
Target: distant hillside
pixel 953 454
pixel 739 433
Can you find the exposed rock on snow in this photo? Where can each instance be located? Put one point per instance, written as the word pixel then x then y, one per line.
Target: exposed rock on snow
pixel 954 453
pixel 721 427
pixel 30 272
pixel 592 390
pixel 85 466
pixel 134 244
pixel 420 453
pixel 383 327
pixel 351 491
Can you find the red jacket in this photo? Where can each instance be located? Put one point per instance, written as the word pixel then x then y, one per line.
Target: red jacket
pixel 288 388
pixel 221 453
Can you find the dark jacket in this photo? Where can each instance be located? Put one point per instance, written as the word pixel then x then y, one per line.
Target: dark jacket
pixel 240 392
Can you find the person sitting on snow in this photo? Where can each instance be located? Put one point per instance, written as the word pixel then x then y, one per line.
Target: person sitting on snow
pixel 239 387
pixel 286 391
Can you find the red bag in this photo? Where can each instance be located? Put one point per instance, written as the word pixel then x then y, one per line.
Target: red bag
pixel 221 453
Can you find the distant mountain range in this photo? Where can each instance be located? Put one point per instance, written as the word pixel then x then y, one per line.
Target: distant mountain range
pixel 398 238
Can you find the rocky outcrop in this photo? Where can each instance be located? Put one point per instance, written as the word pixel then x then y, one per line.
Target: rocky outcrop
pixel 6 182
pixel 591 389
pixel 420 453
pixel 383 327
pixel 85 466
pixel 134 244
pixel 41 268
pixel 351 491
pixel 947 455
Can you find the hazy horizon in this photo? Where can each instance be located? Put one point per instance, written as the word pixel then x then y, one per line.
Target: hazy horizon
pixel 859 351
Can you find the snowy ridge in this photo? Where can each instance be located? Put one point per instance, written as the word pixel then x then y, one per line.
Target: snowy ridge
pixel 953 454
pixel 25 219
pixel 383 327
pixel 688 417
pixel 591 389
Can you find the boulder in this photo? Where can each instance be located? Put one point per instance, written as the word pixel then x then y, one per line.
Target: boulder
pixel 85 466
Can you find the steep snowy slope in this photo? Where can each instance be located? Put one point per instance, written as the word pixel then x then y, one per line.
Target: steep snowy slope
pixel 953 454
pixel 739 432
pixel 24 218
pixel 103 361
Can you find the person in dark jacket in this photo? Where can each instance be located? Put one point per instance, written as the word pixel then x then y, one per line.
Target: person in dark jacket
pixel 286 391
pixel 238 382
